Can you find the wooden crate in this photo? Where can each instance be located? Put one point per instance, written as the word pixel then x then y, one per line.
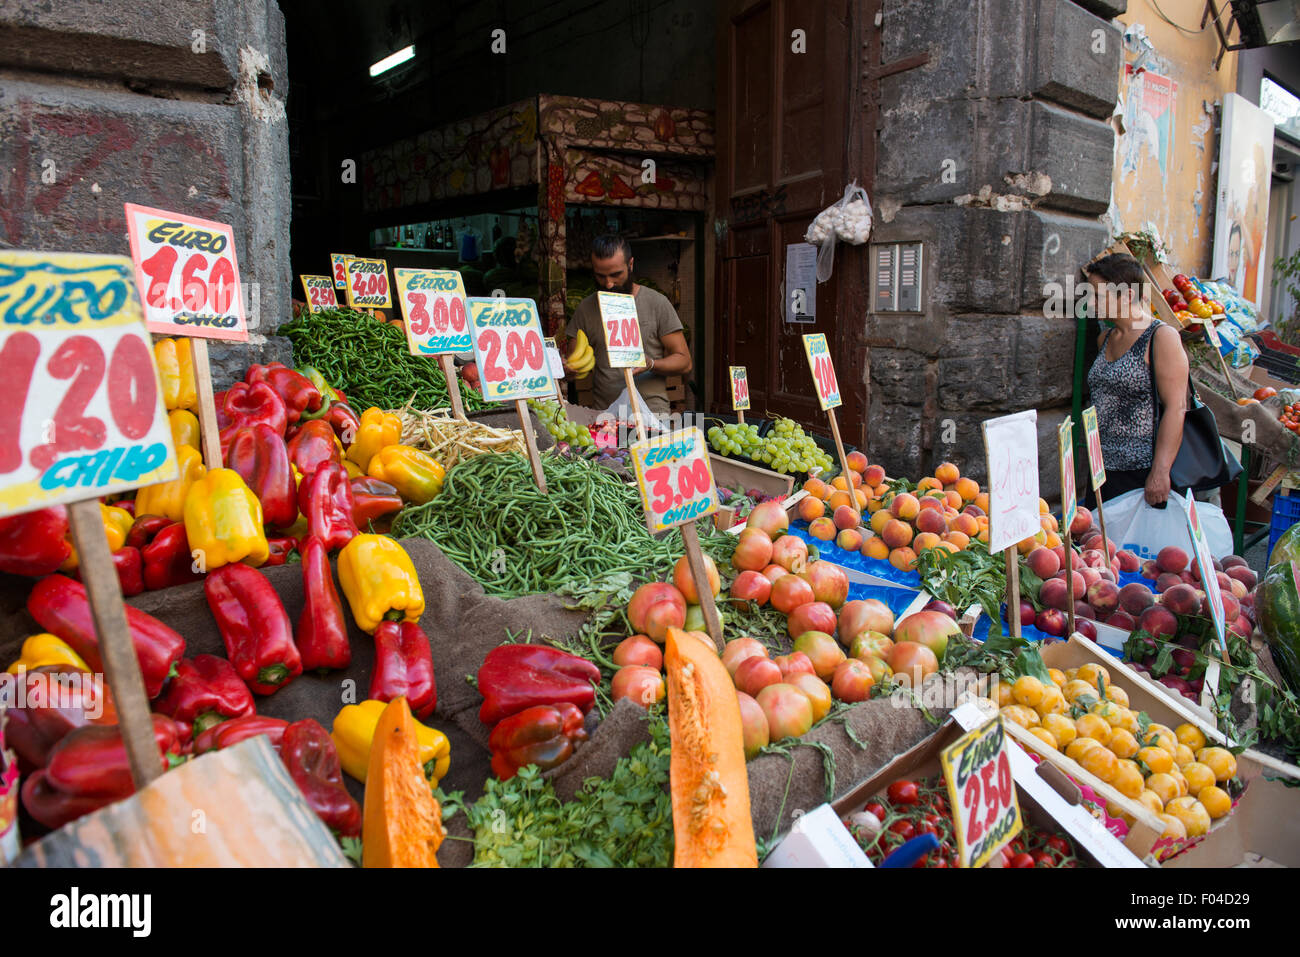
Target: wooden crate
pixel 1159 276
pixel 730 472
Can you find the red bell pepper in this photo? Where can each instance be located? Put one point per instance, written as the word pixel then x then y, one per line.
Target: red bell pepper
pixel 254 626
pixel 229 733
pixel 312 445
pixel 54 808
pixel 543 735
pixel 61 607
pixel 322 633
pixel 145 528
pixel 261 458
pixel 515 677
pixel 279 550
pixel 325 498
pixel 168 560
pixel 34 543
pixel 343 421
pixel 404 667
pixel 372 500
pixel 205 691
pixel 299 395
pixel 129 565
pixel 247 405
pixel 308 751
pixel 34 724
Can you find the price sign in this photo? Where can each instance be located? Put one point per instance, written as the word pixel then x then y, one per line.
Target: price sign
pixel 187 275
pixel 981 792
pixel 433 304
pixel 339 269
pixel 509 350
pixel 368 283
pixel 1095 463
pixel 622 330
pixel 1069 494
pixel 823 371
pixel 673 474
pixel 1011 450
pixel 319 291
pixel 739 388
pixel 1212 334
pixel 554 361
pixel 1210 582
pixel 83 414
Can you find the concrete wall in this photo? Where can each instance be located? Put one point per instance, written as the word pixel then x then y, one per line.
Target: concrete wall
pixel 177 104
pixel 996 154
pixel 1171 181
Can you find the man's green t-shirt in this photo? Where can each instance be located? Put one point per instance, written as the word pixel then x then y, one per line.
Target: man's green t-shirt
pixel 658 318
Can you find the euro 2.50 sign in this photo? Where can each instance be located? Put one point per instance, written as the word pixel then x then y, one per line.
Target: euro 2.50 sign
pixel 676 482
pixel 83 415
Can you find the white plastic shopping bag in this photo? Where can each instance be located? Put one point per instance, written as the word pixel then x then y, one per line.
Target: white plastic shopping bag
pixel 1133 524
pixel 848 220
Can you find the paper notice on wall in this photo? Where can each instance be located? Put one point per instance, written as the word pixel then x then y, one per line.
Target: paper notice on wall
pixel 800 282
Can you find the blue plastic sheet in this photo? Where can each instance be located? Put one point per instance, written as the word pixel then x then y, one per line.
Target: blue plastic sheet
pixel 855 560
pixel 896 598
pixel 1028 632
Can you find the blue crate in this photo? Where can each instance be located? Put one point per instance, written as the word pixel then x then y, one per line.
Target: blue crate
pixel 1286 512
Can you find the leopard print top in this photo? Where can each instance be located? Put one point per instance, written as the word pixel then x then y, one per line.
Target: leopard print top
pixel 1121 391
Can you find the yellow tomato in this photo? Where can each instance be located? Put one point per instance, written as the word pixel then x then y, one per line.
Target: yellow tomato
pixel 1081 746
pixel 1058 676
pixel 1195 818
pixel 1061 727
pixel 1164 787
pixel 1216 802
pixel 1027 690
pixel 1174 827
pixel 1092 726
pixel 1190 735
pixel 1122 743
pixel 1218 760
pixel 1158 760
pixel 1042 734
pixel 1199 777
pixel 1128 779
pixel 1100 762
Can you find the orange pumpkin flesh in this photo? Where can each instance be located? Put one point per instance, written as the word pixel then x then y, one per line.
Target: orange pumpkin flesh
pixel 710 787
pixel 403 822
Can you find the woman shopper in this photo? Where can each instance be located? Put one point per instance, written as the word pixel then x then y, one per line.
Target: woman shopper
pixel 1138 450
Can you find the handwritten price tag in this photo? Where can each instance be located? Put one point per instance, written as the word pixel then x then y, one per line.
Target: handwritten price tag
pixel 339 269
pixel 368 283
pixel 981 792
pixel 673 474
pixel 622 330
pixel 83 415
pixel 509 350
pixel 1069 494
pixel 187 275
pixel 319 291
pixel 433 304
pixel 1011 450
pixel 1205 559
pixel 1096 465
pixel 823 371
pixel 739 388
pixel 554 361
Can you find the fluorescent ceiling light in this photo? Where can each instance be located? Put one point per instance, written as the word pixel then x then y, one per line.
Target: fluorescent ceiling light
pixel 392 60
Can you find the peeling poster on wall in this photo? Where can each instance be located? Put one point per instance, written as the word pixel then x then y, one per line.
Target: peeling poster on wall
pixel 1148 121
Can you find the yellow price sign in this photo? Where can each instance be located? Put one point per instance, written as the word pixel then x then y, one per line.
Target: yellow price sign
pixel 319 291
pixel 823 370
pixel 368 283
pixel 981 793
pixel 675 479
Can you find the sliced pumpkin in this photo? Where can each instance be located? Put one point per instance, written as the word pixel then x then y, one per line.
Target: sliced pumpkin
pixel 403 821
pixel 710 787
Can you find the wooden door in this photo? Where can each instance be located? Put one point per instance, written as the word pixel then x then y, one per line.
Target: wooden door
pixel 790 135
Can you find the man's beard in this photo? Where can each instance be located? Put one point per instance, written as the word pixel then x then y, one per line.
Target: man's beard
pixel 626 285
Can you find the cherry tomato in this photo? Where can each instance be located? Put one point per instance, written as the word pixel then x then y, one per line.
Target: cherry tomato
pixel 1060 845
pixel 925 827
pixel 1043 859
pixel 939 804
pixel 934 819
pixel 904 829
pixel 1022 860
pixel 1017 847
pixel 876 808
pixel 902 792
pixel 941 862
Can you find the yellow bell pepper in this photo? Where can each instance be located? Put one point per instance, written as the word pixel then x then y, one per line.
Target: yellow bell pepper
pixel 354 470
pixel 46 649
pixel 223 520
pixel 378 429
pixel 117 523
pixel 168 498
pixel 354 729
pixel 175 358
pixel 185 428
pixel 379 582
pixel 416 475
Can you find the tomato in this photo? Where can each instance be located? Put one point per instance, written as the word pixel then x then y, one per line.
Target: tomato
pixel 1017 847
pixel 1043 859
pixel 925 827
pixel 934 819
pixel 1022 860
pixel 1060 845
pixel 941 862
pixel 876 808
pixel 902 792
pixel 903 829
pixel 939 804
pixel 1265 392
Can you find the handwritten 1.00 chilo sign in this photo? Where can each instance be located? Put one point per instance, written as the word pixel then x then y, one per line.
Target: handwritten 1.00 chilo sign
pixel 83 414
pixel 187 274
pixel 674 477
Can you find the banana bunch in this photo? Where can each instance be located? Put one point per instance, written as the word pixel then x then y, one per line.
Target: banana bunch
pixel 581 360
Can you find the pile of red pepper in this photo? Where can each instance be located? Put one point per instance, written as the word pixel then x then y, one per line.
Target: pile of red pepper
pixel 537 697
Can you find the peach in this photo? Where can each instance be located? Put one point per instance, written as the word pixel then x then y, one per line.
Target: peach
pixel 1150 570
pixel 822 528
pixel 1239 589
pixel 1171 559
pixel 810 509
pixel 816 488
pixel 873 475
pixel 1121 619
pixel 905 506
pixel 1052 594
pixel 897 534
pixel 849 539
pixel 974 510
pixel 966 524
pixel 1244 574
pixel 1043 562
pixel 947 473
pixel 1082 522
pixel 1103 596
pixel 847 518
pixel 1159 621
pixel 1167 581
pixel 1090 577
pixel 880 519
pixel 875 548
pixel 925 541
pixel 931 520
pixel 958 540
pixel 1128 562
pixel 902 558
pixel 858 462
pixel 836 499
pixel 967 489
pixel 1135 598
pixel 927 483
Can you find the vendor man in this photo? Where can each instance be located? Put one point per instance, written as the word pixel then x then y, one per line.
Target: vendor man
pixel 666 352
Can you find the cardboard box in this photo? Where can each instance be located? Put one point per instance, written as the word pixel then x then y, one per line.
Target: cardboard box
pixel 1263 830
pixel 818 839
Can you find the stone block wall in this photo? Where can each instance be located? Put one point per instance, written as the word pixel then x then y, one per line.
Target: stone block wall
pixel 997 156
pixel 177 104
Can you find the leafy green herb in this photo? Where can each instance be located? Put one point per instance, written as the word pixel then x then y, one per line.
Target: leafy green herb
pixel 351 849
pixel 1030 662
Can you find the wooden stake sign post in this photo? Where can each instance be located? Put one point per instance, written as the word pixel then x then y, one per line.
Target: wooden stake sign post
pixel 1096 471
pixel 676 485
pixel 981 793
pixel 739 391
pixel 1212 334
pixel 623 345
pixel 85 418
pixel 1011 450
pixel 1069 508
pixel 437 323
pixel 188 278
pixel 828 392
pixel 319 291
pixel 507 336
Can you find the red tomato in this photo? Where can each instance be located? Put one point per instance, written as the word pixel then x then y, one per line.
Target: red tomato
pixel 903 829
pixel 1060 845
pixel 1265 392
pixel 939 804
pixel 1043 859
pixel 902 792
pixel 876 808
pixel 925 827
pixel 1022 860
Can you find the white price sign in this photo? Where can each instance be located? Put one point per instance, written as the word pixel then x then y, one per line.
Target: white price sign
pixel 674 477
pixel 83 414
pixel 433 305
pixel 509 350
pixel 1011 449
pixel 1209 580
pixel 622 330
pixel 187 275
